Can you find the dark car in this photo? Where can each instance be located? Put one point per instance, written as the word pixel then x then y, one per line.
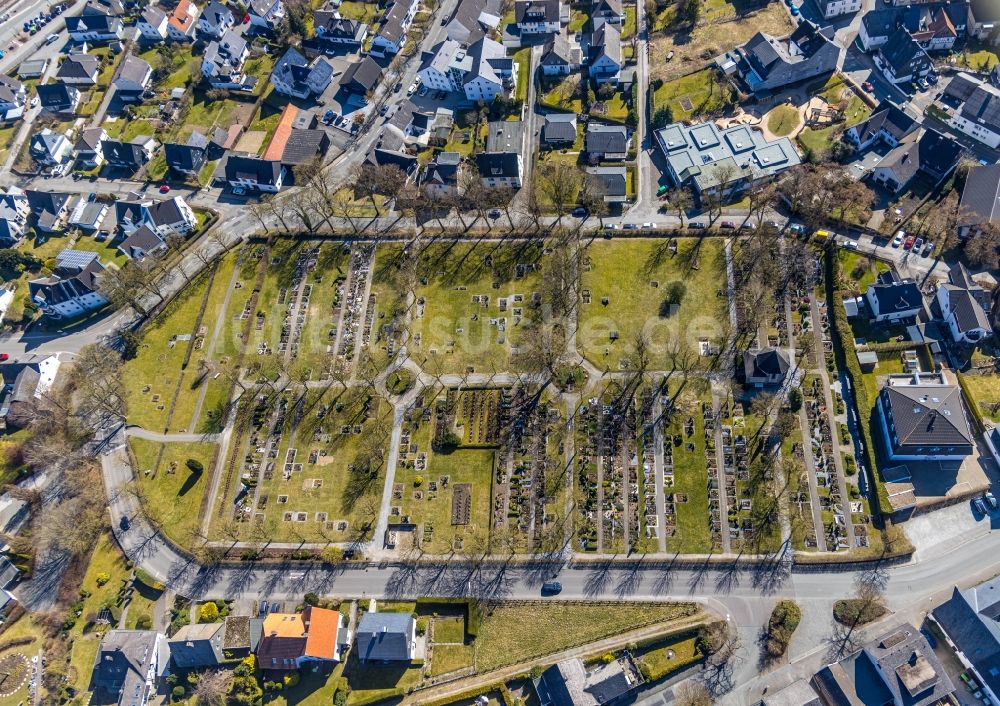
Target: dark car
pixel 124 524
pixel 398 87
pixel 550 588
pixel 579 212
pixel 696 225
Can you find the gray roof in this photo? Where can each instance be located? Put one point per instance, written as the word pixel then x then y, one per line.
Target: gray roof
pixel 57 96
pixel 902 51
pixel 881 23
pixel 896 296
pixel 569 683
pixel 932 153
pixel 78 66
pixel 384 636
pixel 392 25
pixel 8 572
pixel 765 363
pixel 123 660
pixel 141 241
pixel 972 620
pixel 559 51
pixel 133 70
pixel 610 182
pixel 89 139
pixel 303 145
pixel 767 54
pixel 505 136
pixel 961 87
pixel 606 41
pixel 214 13
pixel 981 195
pixel 498 164
pixel 260 170
pixel 153 15
pixel 886 118
pixel 444 169
pixel 927 413
pixel 128 155
pixel 606 139
pixel 536 11
pixel 559 127
pixel 47 201
pixel 982 107
pixel 362 76
pixel 198 645
pixel 293 68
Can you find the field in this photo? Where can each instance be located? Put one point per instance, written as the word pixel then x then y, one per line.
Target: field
pixel 634 287
pixel 985 391
pixel 471 304
pixel 723 26
pixel 171 492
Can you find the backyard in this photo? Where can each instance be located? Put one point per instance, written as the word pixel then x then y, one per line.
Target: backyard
pixel 688 97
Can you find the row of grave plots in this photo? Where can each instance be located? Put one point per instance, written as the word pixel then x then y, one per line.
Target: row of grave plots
pixel 311 310
pixel 311 466
pixel 475 465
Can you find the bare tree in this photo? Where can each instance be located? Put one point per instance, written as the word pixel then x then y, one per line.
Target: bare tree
pixel 679 200
pixel 692 693
pixel 560 183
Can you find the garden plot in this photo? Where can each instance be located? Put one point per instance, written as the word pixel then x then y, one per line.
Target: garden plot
pixel 442 491
pixel 312 466
pixel 607 471
pixel 471 304
pixel 671 292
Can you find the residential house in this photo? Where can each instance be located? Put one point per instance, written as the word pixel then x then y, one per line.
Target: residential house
pixel 968 620
pixel 290 641
pixel 891 299
pixel 49 148
pixel 132 78
pixel 294 76
pixel 131 155
pixel 604 54
pixel 491 72
pixel 984 19
pixel 922 418
pixel 386 637
pixel 887 124
pixel 559 129
pixel 9 574
pixel 980 203
pixel 182 21
pixel 252 173
pixel 934 30
pixel 50 209
pixel 560 57
pixel 709 159
pixel 79 70
pixel 14 512
pixel 88 215
pixel 71 289
pixel 835 8
pixel 93 28
pixel 187 159
pixel 142 242
pixel 215 19
pixel 396 23
pixel 901 59
pixel 129 666
pixel 108 8
pixel 964 306
pixel 25 379
pixel 606 142
pixel 607 11
pixel 34 68
pixel 933 156
pixel 979 113
pixel 223 61
pixel 877 26
pixel 294 146
pixel 88 150
pixel 58 97
pixel 14 211
pixel 537 16
pixel 241 635
pixel 337 30
pixel 12 98
pixel 609 182
pixel 767 63
pixel 765 367
pixel 571 682
pixel 441 176
pixel 899 668
pixel 361 77
pixel 165 218
pixel 197 646
pixel 266 14
pixel 152 24
pixel 498 169
pixel 473 18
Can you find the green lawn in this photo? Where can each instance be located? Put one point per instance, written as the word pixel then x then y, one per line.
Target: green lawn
pixel 858 270
pixel 173 493
pixel 663 660
pixel 561 626
pixel 985 391
pixel 838 94
pixel 578 19
pixel 360 11
pixel 523 59
pixel 449 658
pixel 628 27
pixel 668 297
pixel 565 95
pixel 696 90
pixel 449 629
pixel 6 137
pixel 782 120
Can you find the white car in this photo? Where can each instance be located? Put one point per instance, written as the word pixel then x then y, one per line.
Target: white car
pixel 648 225
pixel 851 245
pixel 412 89
pixel 898 240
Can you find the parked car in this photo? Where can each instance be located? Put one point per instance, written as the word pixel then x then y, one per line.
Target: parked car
pixel 398 87
pixel 697 225
pixel 550 588
pixel 662 191
pixel 990 500
pixel 495 213
pixel 4 356
pixel 898 240
pixel 797 228
pixel 867 85
pixel 917 244
pixel 922 83
pixel 932 79
pixel 795 10
pixel 328 116
pixel 579 212
pixel 928 248
pixel 851 245
pixel 164 188
pixel 979 505
pixel 908 243
pixel 423 90
pixel 612 226
pixel 412 89
pixel 52 38
pixel 239 190
pixel 728 225
pixel 631 226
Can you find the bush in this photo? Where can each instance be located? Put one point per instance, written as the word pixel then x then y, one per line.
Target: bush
pixel 422 626
pixel 178 692
pixel 209 613
pixel 311 599
pixel 857 611
pixel 103 578
pixel 144 623
pixel 784 620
